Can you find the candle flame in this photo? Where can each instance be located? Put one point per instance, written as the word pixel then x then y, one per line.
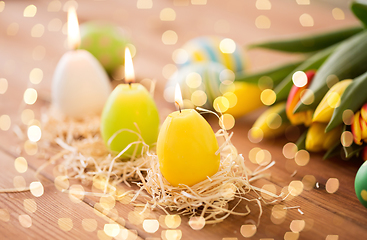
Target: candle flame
pixel 73 29
pixel 178 97
pixel 129 67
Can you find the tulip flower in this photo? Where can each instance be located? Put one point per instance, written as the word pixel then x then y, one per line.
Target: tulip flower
pixel 294 97
pixel 270 123
pixel 359 126
pixel 247 97
pixel 317 140
pixel 331 100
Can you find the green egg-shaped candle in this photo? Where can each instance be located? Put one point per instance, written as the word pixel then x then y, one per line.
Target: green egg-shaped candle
pixel 130 111
pixel 360 184
pixel 106 42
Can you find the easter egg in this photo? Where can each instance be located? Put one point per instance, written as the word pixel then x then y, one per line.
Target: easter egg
pixel 200 83
pixel 129 115
pixel 360 184
pixel 244 94
pixel 213 49
pixel 80 86
pixel 186 148
pixel 106 42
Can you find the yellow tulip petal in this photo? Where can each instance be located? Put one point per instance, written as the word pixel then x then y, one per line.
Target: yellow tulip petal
pixel 261 124
pixel 331 138
pixel 314 137
pixel 331 100
pixel 356 129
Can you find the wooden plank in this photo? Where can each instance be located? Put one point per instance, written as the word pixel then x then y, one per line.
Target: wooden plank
pixel 48 215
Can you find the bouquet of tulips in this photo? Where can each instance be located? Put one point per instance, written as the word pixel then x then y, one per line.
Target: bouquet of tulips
pixel 327 92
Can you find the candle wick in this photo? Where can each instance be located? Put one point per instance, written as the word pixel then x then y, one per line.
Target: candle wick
pixel 179 107
pixel 130 84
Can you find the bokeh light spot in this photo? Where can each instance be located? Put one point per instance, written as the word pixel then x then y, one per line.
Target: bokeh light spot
pixel 332 237
pixel 346 138
pixel 2 6
pixel 307 97
pixel 21 164
pixel 295 188
pixel 89 224
pixel 144 4
pixel 265 82
pixel 30 205
pixel 263 4
pixel 36 189
pixel 19 183
pixel 221 104
pixel 299 79
pixel 226 121
pixel 37 30
pixel 348 117
pixel 169 37
pixel 5 122
pixel 111 229
pixel 255 135
pixel 198 98
pixel 268 188
pixel 302 157
pixel 197 223
pixel 306 20
pixel 291 236
pixel 4 215
pixel 34 133
pixel 167 14
pixel 54 25
pixel 180 56
pixel 168 70
pixel 332 185
pixel 76 193
pixel 297 226
pixel 3 85
pixel 25 220
pixel 227 45
pixel 65 224
pixel 151 225
pixel 248 230
pixel 54 6
pixel 232 98
pixel 289 150
pixel 262 22
pixel 274 120
pixel 333 100
pixel 338 14
pixel 193 80
pixel 198 2
pixel 30 11
pixel 36 76
pixel 268 97
pixel 309 182
pixel 303 2
pixel 31 148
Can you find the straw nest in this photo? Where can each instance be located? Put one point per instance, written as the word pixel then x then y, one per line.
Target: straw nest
pixel 82 154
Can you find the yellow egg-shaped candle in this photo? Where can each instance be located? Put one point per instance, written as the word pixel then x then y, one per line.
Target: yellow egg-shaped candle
pixel 186 148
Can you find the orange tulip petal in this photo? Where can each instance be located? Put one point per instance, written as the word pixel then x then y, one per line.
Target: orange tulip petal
pixel 356 129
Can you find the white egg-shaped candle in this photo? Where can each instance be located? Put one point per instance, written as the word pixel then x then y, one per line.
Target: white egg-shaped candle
pixel 80 85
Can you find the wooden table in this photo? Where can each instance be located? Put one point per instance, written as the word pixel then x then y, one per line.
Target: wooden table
pixel 54 216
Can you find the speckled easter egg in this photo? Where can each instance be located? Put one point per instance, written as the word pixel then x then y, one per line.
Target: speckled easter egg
pixel 214 49
pixel 360 184
pixel 106 41
pixel 200 83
